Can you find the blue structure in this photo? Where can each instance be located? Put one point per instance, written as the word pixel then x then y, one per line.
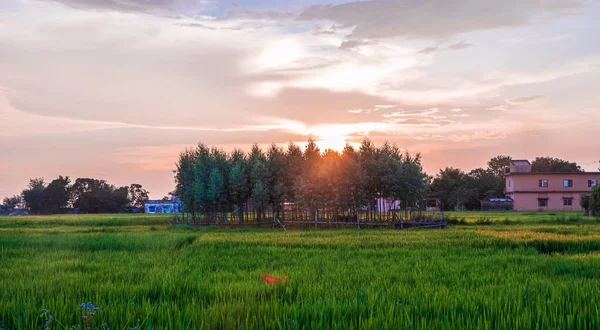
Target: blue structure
pixel 161 206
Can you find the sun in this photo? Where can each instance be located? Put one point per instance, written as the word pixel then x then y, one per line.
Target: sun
pixel 337 144
pixel 334 137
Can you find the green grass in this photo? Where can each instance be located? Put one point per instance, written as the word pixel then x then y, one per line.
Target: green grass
pixel 534 271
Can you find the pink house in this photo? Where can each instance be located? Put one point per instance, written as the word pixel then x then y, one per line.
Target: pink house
pixel 532 191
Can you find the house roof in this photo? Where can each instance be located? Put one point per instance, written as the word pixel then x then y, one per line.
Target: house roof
pixel 520 162
pixel 159 202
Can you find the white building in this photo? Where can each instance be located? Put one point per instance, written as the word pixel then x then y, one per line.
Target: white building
pixel 161 206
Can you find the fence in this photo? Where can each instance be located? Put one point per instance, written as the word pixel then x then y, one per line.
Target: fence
pixel 295 219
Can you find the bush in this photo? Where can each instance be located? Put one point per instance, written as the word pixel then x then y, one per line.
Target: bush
pixel 584 201
pixel 595 201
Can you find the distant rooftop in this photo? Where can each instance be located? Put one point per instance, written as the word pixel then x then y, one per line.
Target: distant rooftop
pixel 160 202
pixel 520 162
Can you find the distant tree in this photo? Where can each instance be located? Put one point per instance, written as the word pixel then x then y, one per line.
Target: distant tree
pixel 307 186
pixel 120 200
pixel 549 164
pixel 276 167
pixel 351 193
pixel 499 164
pixel 370 168
pixel 405 180
pixel 56 195
pixel 293 170
pixel 137 195
pixel 202 169
pixel 32 195
pixel 11 203
pixel 216 194
pixel 454 189
pixel 486 183
pixel 328 183
pixel 166 198
pixel 329 179
pixel 260 192
pixel 185 180
pixel 98 196
pixel 238 187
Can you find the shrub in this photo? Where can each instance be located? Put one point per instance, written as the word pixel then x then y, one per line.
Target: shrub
pixel 595 201
pixel 584 201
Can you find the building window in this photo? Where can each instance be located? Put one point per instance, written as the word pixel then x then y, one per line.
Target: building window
pixel 542 202
pixel 567 201
pixel 544 183
pixel 568 183
pixel 151 209
pixel 592 182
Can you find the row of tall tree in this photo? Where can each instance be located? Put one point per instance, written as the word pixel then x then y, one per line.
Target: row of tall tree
pixel 211 181
pixel 459 190
pixel 85 194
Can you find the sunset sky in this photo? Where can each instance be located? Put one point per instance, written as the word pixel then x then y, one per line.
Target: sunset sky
pixel 115 89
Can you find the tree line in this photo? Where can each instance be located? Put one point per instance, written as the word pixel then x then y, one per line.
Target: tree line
pixel 87 195
pixel 213 182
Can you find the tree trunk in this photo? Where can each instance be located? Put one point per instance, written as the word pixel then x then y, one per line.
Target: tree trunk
pixel 241 213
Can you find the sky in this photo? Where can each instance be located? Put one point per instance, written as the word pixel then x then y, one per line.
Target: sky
pixel 116 89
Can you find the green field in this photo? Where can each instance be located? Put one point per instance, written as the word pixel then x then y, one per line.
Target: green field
pixel 503 270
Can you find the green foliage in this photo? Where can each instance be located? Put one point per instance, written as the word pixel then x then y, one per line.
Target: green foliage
pixel 549 164
pixel 238 186
pixel 486 183
pixel 215 191
pixel 531 274
pixel 56 195
pixel 459 190
pixel 11 203
pixel 33 194
pixel 584 201
pixel 453 188
pixel 595 200
pixel 137 195
pixel 98 196
pixel 210 180
pixel 87 194
pixel 499 164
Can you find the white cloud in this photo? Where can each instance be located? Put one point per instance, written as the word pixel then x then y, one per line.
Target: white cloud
pixel 502 107
pixel 523 100
pixel 426 113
